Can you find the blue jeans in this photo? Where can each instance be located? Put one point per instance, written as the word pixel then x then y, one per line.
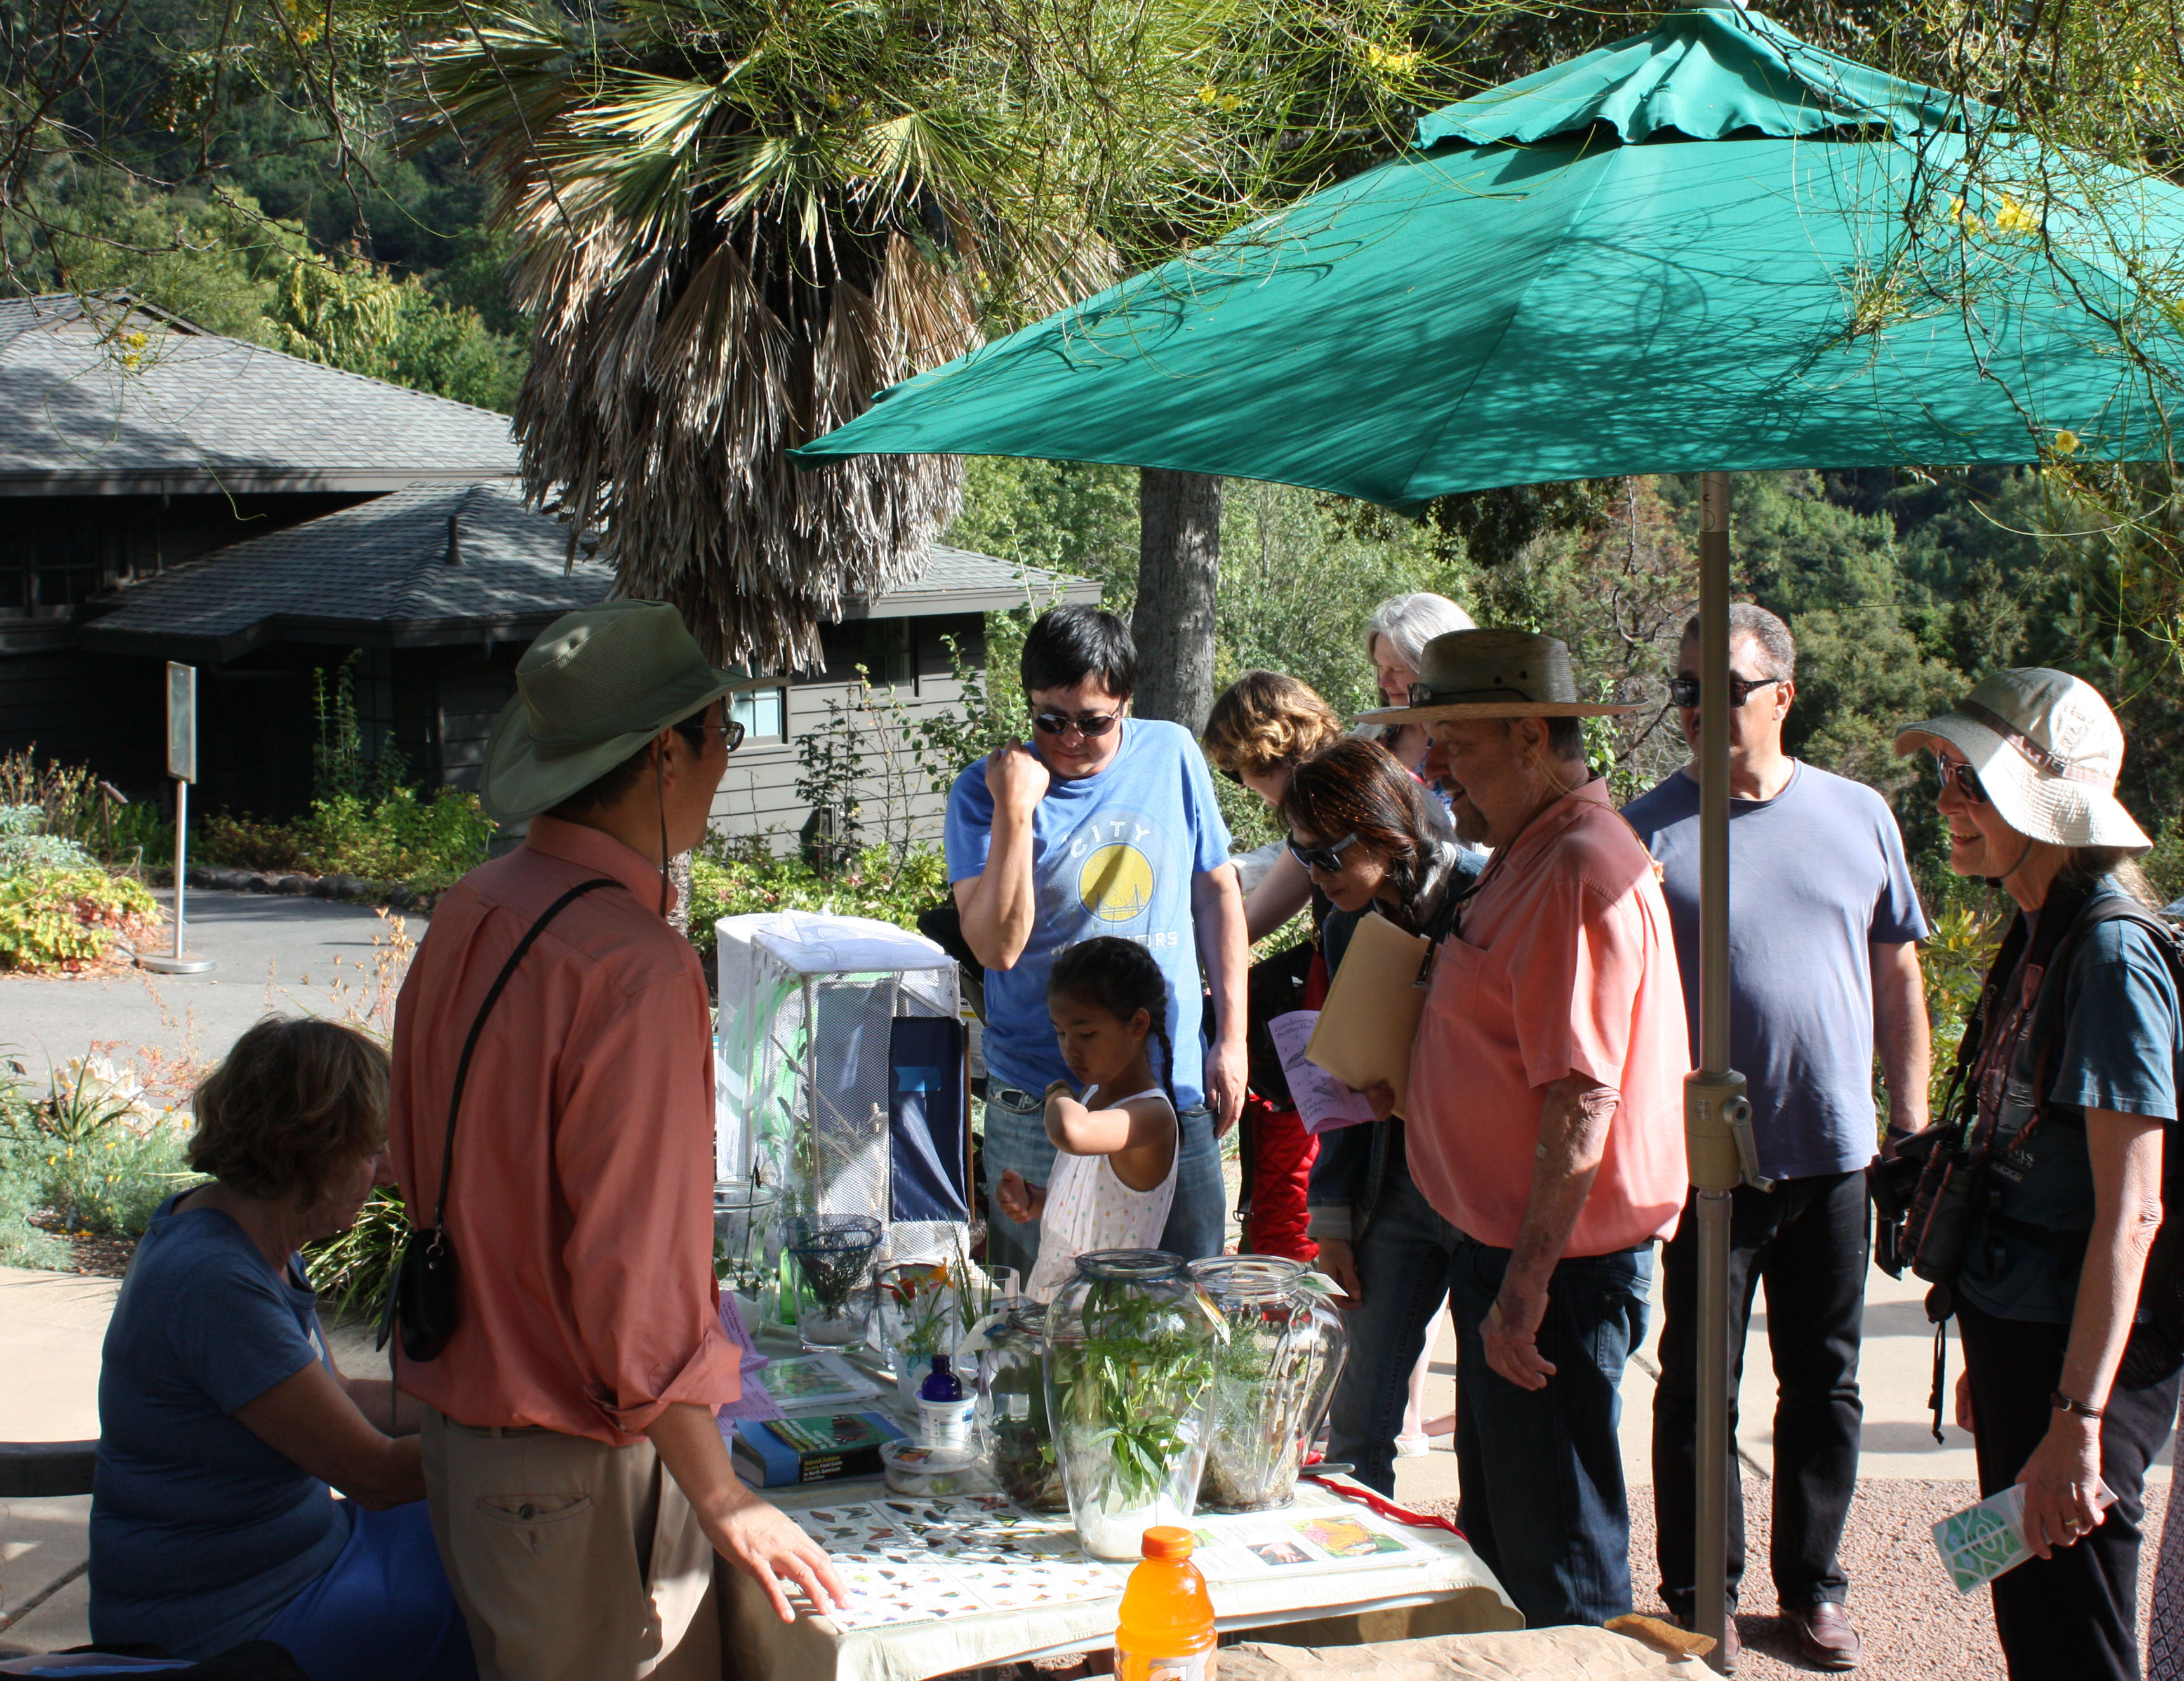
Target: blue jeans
pixel 382 1611
pixel 1016 1137
pixel 1403 1269
pixel 1542 1470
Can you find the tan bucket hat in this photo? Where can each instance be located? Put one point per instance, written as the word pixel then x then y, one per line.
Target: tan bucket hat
pixel 1493 674
pixel 596 685
pixel 2047 749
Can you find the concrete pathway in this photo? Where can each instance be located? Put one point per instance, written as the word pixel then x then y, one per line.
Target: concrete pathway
pixel 276 953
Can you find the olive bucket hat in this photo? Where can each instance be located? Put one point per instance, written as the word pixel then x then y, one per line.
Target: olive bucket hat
pixel 2047 751
pixel 1493 674
pixel 597 685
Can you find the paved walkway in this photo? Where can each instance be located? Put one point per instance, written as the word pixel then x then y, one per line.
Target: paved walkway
pixel 276 952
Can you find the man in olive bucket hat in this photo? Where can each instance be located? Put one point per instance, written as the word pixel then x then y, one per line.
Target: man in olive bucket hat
pixel 1545 1120
pixel 579 1485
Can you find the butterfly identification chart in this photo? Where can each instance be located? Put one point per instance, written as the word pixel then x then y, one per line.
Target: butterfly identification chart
pixel 914 1561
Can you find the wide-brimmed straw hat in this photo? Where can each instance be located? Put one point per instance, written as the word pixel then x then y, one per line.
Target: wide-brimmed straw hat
pixel 597 685
pixel 1493 674
pixel 2047 749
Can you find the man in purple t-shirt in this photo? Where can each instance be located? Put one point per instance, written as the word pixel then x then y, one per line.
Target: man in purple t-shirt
pixel 1824 923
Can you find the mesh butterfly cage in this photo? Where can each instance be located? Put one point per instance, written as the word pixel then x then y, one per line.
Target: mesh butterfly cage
pixel 840 1075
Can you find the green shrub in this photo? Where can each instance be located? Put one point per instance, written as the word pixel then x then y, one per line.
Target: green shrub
pixel 352 1270
pixel 397 836
pixel 67 918
pixel 21 1244
pixel 93 1153
pixel 112 1185
pixel 735 878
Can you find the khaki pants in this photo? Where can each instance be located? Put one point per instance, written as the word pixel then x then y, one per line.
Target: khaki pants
pixel 571 1561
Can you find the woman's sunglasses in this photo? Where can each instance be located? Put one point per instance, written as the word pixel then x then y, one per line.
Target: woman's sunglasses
pixel 1326 860
pixel 1966 779
pixel 1089 724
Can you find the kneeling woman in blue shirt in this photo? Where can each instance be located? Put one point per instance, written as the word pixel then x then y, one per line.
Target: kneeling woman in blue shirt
pixel 225 1426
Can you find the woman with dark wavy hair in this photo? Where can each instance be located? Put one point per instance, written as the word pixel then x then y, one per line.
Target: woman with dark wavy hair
pixel 1360 826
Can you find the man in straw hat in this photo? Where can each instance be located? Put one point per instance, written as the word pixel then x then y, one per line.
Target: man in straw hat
pixel 579 1485
pixel 1545 1118
pixel 2075 1058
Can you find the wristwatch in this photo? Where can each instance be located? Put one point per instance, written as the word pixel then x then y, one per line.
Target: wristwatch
pixel 2062 1403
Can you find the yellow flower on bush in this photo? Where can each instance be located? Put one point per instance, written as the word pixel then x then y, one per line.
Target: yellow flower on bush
pixel 2066 441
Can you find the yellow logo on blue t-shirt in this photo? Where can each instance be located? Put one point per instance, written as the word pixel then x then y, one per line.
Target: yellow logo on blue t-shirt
pixel 1116 884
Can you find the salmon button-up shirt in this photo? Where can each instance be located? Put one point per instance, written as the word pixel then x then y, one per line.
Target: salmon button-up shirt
pixel 1563 964
pixel 581 1210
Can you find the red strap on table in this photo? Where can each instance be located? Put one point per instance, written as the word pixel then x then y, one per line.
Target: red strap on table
pixel 1381 1504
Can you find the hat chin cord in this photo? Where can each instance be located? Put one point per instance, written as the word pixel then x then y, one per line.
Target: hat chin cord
pixel 659 792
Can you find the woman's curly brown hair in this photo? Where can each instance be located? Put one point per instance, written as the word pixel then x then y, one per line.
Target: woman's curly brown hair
pixel 1264 721
pixel 295 1101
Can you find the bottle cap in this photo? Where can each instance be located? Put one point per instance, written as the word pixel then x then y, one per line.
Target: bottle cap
pixel 1166 1540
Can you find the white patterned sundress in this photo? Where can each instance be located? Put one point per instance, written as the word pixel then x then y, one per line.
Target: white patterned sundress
pixel 1087 1208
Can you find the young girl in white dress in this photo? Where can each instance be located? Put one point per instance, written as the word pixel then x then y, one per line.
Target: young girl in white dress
pixel 1114 1169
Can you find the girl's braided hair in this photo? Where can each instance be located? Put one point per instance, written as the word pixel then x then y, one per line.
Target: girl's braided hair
pixel 1121 977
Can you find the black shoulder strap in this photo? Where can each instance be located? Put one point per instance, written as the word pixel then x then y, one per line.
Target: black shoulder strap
pixel 491 997
pixel 2047 1031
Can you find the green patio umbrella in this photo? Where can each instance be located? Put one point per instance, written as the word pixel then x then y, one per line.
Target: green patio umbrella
pixel 1711 247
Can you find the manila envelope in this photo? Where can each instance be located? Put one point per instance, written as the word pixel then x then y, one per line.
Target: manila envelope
pixel 1372 1011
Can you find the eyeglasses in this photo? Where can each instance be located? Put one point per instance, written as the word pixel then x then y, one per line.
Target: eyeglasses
pixel 1684 691
pixel 695 730
pixel 1326 860
pixel 1089 724
pixel 1966 779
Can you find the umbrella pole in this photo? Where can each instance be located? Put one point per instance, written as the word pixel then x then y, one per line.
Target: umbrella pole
pixel 1714 1105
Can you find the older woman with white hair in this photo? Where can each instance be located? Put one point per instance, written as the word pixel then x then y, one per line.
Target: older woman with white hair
pixel 1395 638
pixel 2063 1095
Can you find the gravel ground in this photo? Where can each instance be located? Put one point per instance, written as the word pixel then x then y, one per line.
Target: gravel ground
pixel 1914 1623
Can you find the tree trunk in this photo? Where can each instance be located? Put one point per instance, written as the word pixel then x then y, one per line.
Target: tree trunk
pixel 1178 569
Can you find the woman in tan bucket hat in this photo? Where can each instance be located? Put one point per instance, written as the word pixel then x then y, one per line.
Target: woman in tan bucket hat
pixel 2066 1084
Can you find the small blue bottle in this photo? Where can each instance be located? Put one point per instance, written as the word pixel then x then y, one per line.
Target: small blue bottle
pixel 944 1410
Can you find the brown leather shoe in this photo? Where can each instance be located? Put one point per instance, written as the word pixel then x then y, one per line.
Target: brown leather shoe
pixel 1825 1638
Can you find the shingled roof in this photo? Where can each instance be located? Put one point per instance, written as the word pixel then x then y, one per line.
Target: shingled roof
pixel 439 565
pixel 90 411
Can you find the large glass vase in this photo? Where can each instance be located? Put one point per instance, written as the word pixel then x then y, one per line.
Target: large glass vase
pixel 1132 1343
pixel 1273 1380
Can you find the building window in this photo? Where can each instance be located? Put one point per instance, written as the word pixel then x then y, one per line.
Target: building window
pixel 49 570
pixel 891 652
pixel 374 679
pixel 761 712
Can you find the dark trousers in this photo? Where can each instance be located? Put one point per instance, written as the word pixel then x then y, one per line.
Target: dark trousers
pixel 1403 1270
pixel 1809 1241
pixel 2074 1614
pixel 1543 1501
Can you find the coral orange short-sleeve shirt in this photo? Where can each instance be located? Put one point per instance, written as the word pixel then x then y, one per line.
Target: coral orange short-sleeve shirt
pixel 1563 964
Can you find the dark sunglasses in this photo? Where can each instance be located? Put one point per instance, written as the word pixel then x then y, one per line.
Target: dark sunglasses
pixel 1326 860
pixel 1089 724
pixel 1966 779
pixel 1684 691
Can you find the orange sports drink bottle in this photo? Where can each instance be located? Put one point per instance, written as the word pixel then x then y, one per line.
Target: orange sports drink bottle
pixel 1167 1631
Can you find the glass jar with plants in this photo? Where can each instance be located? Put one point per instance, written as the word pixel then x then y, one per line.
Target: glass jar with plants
pixel 746 1240
pixel 1131 1342
pixel 1273 1380
pixel 929 1307
pixel 833 1254
pixel 1012 1391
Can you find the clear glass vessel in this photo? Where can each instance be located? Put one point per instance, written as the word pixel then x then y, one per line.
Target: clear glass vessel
pixel 1131 1346
pixel 1012 1388
pixel 833 1254
pixel 1274 1379
pixel 746 1241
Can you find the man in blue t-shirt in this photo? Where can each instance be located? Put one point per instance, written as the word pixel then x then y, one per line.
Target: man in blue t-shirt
pixel 1824 923
pixel 1103 824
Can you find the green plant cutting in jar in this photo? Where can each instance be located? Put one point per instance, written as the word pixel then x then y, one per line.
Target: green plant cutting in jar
pixel 1130 1373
